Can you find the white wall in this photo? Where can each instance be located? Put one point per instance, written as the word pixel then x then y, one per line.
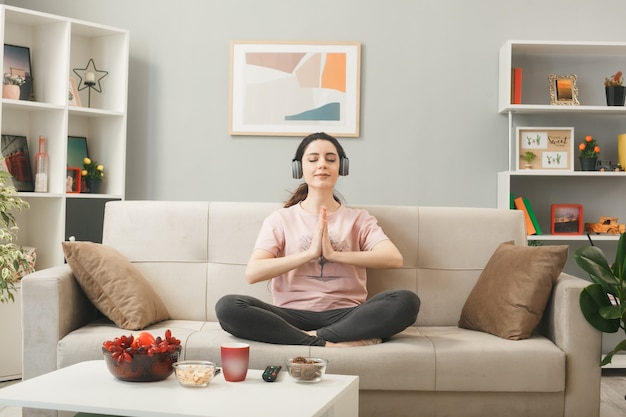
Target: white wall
pixel 430 131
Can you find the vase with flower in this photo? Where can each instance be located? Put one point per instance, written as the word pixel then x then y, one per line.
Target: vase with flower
pixel 11 86
pixel 614 90
pixel 589 151
pixel 93 173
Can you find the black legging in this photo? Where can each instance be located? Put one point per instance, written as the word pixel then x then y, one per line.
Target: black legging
pixel 382 316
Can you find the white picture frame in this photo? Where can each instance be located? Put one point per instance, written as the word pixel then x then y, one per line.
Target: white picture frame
pixel 294 88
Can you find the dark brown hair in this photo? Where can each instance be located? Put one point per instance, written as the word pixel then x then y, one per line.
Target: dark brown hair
pixel 303 189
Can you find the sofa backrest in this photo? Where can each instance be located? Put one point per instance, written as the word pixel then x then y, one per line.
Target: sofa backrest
pixel 195 252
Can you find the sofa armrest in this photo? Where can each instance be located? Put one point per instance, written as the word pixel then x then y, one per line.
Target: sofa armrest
pixel 565 325
pixel 53 304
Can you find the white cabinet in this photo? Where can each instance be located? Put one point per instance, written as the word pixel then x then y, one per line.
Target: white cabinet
pixel 600 193
pixel 57 46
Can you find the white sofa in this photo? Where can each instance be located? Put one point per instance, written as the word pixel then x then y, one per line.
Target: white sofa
pixel 192 253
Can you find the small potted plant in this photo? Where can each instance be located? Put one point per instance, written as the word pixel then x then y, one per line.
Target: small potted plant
pixel 589 151
pixel 528 157
pixel 602 302
pixel 15 262
pixel 11 86
pixel 614 90
pixel 93 173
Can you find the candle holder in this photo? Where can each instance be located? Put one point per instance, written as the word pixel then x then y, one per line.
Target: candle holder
pixel 90 78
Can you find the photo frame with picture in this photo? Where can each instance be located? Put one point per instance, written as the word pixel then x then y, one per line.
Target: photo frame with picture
pixel 76 152
pixel 563 90
pixel 73 98
pixel 14 149
pixel 17 70
pixel 566 219
pixel 545 148
pixel 73 180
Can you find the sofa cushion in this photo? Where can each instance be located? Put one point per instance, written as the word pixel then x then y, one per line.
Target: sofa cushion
pixel 472 361
pixel 114 285
pixel 511 293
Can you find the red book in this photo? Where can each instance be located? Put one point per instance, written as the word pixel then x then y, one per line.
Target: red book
pixel 516 86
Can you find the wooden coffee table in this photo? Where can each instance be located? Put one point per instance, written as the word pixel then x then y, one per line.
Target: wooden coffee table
pixel 89 387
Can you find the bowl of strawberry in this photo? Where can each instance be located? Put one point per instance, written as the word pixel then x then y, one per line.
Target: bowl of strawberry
pixel 141 358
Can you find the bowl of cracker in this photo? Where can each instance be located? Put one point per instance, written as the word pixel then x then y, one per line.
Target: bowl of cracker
pixel 194 373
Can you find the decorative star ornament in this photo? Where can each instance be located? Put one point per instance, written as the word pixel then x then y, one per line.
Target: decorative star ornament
pixel 90 76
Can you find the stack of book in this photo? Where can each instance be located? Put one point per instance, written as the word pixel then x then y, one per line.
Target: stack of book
pixel 522 203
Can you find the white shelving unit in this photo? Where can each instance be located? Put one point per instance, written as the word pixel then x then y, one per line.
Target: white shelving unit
pixel 600 193
pixel 57 45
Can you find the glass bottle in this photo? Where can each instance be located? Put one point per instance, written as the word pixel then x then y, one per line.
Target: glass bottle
pixel 41 167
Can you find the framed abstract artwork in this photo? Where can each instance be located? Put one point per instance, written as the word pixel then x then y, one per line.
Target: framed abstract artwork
pixel 294 88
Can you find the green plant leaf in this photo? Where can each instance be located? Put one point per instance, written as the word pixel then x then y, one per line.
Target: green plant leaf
pixel 592 260
pixel 621 346
pixel 592 299
pixel 611 312
pixel 620 257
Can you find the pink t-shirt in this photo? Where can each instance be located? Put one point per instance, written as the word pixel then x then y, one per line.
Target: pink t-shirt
pixel 319 285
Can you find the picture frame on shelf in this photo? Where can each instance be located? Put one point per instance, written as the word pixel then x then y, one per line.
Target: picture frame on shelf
pixel 563 90
pixel 73 180
pixel 76 152
pixel 16 66
pixel 14 149
pixel 552 147
pixel 73 98
pixel 566 219
pixel 294 88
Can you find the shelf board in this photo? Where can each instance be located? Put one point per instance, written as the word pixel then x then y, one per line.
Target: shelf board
pixel 32 194
pixel 29 105
pixel 573 237
pixel 566 48
pixel 548 108
pixel 90 112
pixel 563 173
pixel 95 196
pixel 27 194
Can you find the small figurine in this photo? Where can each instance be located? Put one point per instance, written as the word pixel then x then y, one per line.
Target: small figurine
pixel 607 225
pixel 605 166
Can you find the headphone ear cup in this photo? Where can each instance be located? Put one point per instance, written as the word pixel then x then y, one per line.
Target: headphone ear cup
pixel 344 166
pixel 296 169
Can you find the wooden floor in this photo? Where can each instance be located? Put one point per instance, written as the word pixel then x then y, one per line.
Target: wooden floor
pixel 613 392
